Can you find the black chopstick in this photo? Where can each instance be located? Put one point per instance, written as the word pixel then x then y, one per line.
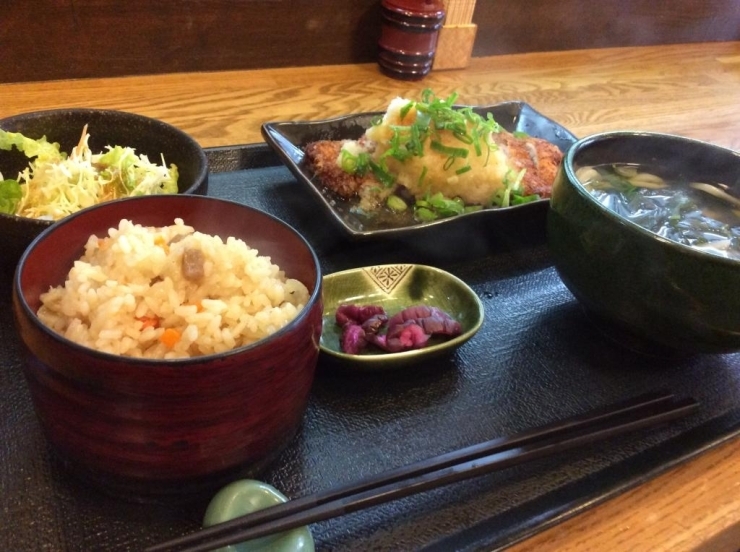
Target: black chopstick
pixel 451 467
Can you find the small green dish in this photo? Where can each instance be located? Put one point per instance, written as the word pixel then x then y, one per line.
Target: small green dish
pixel 244 497
pixel 395 287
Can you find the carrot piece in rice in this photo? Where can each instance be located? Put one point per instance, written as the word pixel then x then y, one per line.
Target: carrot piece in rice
pixel 170 337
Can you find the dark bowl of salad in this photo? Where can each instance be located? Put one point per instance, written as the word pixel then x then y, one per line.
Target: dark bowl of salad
pixel 56 162
pixel 644 229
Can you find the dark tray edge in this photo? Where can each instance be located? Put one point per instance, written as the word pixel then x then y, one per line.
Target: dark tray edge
pixel 518 524
pixel 241 157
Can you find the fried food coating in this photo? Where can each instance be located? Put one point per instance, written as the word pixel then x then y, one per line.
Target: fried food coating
pixel 538 157
pixel 321 157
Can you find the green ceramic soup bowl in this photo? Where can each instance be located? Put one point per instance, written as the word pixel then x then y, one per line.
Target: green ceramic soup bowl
pixel 645 290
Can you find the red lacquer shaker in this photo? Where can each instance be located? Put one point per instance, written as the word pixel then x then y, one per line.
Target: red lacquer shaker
pixel 408 38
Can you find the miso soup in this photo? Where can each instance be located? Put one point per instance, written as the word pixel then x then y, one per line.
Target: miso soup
pixel 701 215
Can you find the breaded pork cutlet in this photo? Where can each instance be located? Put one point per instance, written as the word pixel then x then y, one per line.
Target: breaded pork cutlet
pixel 538 157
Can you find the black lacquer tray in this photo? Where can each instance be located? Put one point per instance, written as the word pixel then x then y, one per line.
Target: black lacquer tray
pixel 537 358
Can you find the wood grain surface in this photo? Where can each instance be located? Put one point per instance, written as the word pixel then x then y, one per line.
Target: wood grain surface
pixel 692 90
pixel 51 39
pixel 685 89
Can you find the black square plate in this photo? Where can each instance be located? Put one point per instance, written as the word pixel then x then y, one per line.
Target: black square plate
pixel 288 138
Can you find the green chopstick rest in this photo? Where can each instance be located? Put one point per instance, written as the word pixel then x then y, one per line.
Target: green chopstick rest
pixel 244 497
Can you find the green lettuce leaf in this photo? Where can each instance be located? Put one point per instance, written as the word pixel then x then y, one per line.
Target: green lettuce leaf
pixel 41 148
pixel 170 186
pixel 10 195
pixel 119 161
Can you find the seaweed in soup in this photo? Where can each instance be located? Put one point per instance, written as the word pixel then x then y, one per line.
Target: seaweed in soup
pixel 700 215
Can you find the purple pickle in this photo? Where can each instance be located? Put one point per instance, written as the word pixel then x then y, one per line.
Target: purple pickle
pixel 356 314
pixel 409 329
pixel 354 339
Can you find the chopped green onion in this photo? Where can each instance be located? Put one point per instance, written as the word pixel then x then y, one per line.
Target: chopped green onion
pixel 517 199
pixel 500 198
pixel 437 200
pixel 476 142
pixel 405 110
pixel 395 203
pixel 424 215
pixel 423 175
pixel 506 198
pixel 440 206
pixel 382 174
pixel 448 150
pixel 491 123
pixel 515 184
pixel 415 144
pixel 348 161
pixel 354 164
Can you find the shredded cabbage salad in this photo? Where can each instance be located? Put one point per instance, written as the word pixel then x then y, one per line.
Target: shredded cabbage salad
pixel 55 184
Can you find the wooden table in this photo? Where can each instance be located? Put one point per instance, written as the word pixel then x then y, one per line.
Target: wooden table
pixel 692 90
